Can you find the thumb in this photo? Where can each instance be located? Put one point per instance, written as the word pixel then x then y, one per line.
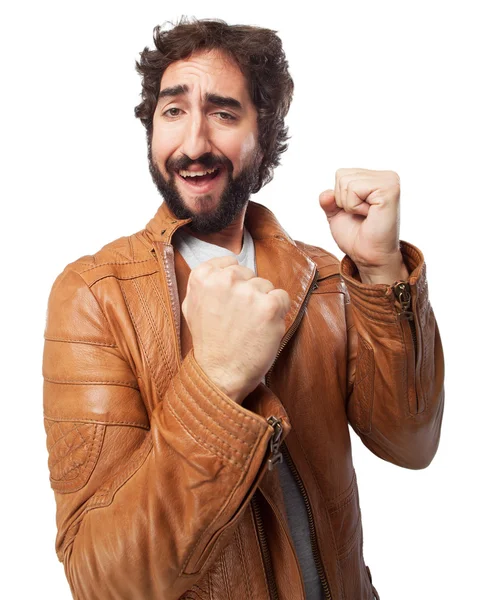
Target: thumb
pixel 327 202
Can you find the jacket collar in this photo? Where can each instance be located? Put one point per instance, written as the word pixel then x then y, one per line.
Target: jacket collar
pixel 259 221
pixel 278 259
pixel 163 225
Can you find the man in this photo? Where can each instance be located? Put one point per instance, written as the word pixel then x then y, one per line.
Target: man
pixel 200 374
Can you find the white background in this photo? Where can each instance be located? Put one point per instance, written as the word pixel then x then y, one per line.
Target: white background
pixel 379 85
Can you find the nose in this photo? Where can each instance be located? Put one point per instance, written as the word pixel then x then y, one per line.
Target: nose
pixel 196 139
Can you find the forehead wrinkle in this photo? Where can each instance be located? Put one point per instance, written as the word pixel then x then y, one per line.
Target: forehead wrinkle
pixel 213 69
pixel 207 98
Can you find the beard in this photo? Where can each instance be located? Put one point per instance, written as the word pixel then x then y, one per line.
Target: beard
pixel 232 201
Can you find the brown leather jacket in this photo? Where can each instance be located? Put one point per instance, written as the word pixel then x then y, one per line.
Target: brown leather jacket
pixel 165 487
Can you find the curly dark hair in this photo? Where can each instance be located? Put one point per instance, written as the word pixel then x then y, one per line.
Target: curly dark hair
pixel 259 54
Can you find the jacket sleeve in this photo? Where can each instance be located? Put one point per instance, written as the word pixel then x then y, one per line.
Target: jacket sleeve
pixel 145 503
pixel 395 364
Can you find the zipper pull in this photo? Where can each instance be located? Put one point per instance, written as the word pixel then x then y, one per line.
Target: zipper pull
pixel 402 291
pixel 276 456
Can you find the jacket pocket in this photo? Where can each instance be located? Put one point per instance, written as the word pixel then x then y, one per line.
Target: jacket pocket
pixel 73 448
pixel 364 385
pixel 329 283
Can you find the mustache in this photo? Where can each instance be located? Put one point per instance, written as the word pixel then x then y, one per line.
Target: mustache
pixel 207 161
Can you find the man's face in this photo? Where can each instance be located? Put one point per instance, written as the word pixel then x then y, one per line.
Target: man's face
pixel 211 125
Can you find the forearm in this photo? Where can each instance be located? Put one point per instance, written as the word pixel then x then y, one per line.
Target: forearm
pixel 397 375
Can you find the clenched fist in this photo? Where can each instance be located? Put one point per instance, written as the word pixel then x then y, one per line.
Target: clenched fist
pixel 363 214
pixel 236 322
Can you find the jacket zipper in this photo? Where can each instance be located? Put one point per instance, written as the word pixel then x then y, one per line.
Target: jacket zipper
pixel 274 458
pixel 171 303
pixel 402 292
pixel 315 547
pixel 294 326
pixel 275 442
pixel 312 531
pixel 272 589
pixel 277 456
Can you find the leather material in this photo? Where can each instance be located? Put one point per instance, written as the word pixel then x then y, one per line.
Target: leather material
pixel 161 481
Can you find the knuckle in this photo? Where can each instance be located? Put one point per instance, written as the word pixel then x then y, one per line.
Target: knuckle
pixel 276 303
pixel 341 173
pixel 265 282
pixel 247 293
pixel 270 308
pixel 199 273
pixel 344 182
pixel 228 276
pixel 395 177
pixel 286 300
pixel 238 270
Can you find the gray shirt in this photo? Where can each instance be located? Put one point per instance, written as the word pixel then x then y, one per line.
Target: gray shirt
pixel 195 252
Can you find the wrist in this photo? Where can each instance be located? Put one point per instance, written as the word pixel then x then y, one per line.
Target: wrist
pixel 232 392
pixel 386 274
pixel 223 381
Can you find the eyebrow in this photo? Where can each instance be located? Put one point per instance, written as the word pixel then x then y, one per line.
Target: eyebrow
pixel 216 99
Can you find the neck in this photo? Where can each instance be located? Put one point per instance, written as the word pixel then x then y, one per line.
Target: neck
pixel 230 237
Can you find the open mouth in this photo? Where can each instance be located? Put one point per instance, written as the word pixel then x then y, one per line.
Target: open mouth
pixel 201 177
pixel 202 182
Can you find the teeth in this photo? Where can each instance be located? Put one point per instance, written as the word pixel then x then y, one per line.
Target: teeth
pixel 197 173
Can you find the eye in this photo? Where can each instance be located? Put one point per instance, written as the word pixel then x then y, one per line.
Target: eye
pixel 224 116
pixel 228 117
pixel 170 109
